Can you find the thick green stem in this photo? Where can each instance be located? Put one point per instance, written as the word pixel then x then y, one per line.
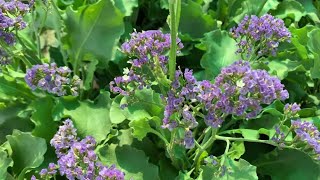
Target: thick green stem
pixel 173 32
pixel 225 152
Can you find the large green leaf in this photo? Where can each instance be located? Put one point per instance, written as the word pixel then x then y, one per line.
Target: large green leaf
pixel 289 8
pixel 193 16
pixel 5 162
pixel 94 29
pixel 220 52
pixel 90 118
pixel 288 164
pixel 45 127
pixel 132 161
pixel 314 40
pixel 27 151
pixel 143 104
pixel 126 6
pixel 13 88
pixel 236 170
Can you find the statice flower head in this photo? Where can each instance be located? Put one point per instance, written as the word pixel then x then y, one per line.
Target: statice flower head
pixel 76 158
pixel 11 18
pixel 53 79
pixel 291 110
pixel 148 58
pixel 64 138
pixel 260 36
pixel 308 133
pixel 245 89
pixel 109 173
pixel 79 162
pixel 49 172
pixel 5 59
pixel 147 44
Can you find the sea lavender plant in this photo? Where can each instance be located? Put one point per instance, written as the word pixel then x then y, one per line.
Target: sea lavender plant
pixel 53 79
pixel 148 55
pixel 11 18
pixel 76 158
pixel 308 133
pixel 260 36
pixel 291 110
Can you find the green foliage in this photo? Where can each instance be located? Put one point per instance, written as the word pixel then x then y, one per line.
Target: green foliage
pixel 288 164
pixel 132 161
pixel 220 52
pixel 89 31
pixel 27 151
pixel 90 118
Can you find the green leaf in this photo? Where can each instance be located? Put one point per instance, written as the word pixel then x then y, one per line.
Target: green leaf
pixel 10 120
pixel 116 113
pixel 167 171
pixel 314 40
pixel 282 68
pixel 250 7
pixel 236 170
pixel 5 162
pixel 90 69
pixel 45 126
pixel 144 104
pixel 289 8
pixel 13 88
pixel 192 16
pixel 126 6
pixel 140 128
pixel 90 118
pixel 288 164
pixel 130 160
pixel 237 150
pixel 311 11
pixel 315 70
pixel 94 29
pixel 220 52
pixel 27 151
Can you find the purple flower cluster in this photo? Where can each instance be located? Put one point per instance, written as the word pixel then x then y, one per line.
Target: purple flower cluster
pixel 53 79
pixel 291 110
pixel 279 136
pixel 76 158
pixel 260 35
pixel 64 138
pixel 244 89
pixel 148 52
pixel 238 90
pixel 4 58
pixel 147 44
pixel 308 133
pixel 11 18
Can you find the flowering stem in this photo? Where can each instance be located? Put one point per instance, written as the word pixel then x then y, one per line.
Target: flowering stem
pixel 223 138
pixel 173 33
pixel 225 152
pixel 160 136
pixel 196 163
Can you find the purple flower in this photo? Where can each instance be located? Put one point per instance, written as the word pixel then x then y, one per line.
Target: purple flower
pixel 53 79
pixel 11 13
pixel 77 159
pixel 147 51
pixel 308 133
pixel 244 90
pixel 260 36
pixel 291 109
pixel 64 138
pixel 188 141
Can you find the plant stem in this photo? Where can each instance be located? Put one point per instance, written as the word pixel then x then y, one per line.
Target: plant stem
pixel 225 152
pixel 246 140
pixel 204 147
pixel 160 136
pixel 173 33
